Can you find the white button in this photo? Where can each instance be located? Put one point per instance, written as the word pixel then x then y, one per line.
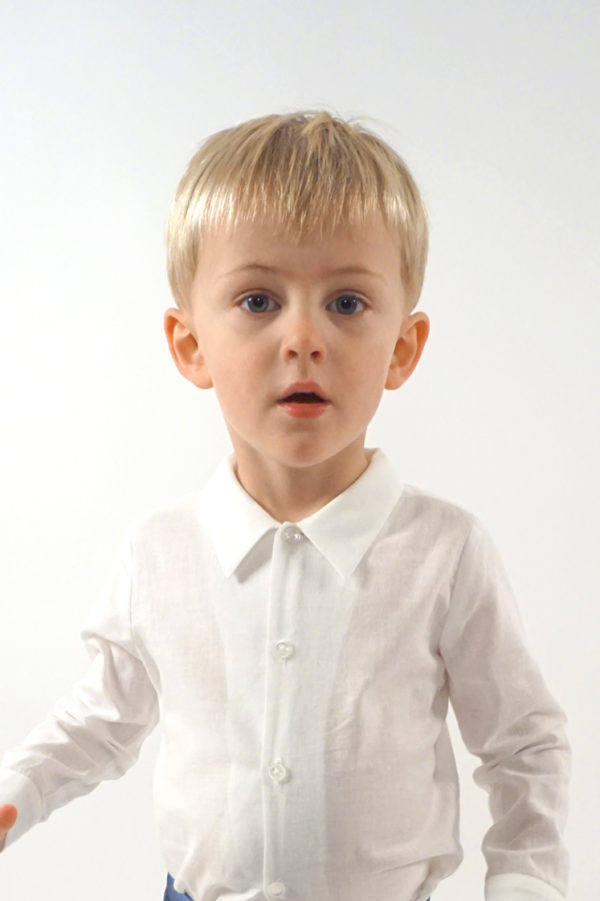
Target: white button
pixel 277 889
pixel 292 535
pixel 283 650
pixel 278 772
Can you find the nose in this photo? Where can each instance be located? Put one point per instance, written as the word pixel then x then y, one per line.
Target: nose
pixel 302 336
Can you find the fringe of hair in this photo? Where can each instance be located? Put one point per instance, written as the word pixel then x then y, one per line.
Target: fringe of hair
pixel 306 174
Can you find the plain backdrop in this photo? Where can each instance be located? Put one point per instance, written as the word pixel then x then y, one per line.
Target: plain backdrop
pixel 495 108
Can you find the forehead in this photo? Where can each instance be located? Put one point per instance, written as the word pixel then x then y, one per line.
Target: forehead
pixel 225 251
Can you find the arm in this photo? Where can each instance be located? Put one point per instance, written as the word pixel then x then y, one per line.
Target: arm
pixel 508 718
pixel 97 732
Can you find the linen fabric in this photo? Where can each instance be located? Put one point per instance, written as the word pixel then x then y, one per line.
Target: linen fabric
pixel 301 673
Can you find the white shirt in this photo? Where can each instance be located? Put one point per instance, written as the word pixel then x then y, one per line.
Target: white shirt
pixel 301 673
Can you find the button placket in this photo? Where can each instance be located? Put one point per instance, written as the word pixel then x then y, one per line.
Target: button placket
pixel 284 603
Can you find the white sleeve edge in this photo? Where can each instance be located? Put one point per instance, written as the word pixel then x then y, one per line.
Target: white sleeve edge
pixel 519 887
pixel 17 789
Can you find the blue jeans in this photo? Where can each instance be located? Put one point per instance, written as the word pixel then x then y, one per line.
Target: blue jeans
pixel 172 895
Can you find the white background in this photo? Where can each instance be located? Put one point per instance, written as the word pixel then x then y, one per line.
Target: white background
pixel 495 108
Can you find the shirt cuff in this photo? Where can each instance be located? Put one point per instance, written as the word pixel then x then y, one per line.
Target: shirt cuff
pixel 19 790
pixel 519 887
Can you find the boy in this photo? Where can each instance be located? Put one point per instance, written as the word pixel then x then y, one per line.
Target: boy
pixel 300 625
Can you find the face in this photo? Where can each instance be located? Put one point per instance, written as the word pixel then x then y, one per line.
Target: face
pixel 266 313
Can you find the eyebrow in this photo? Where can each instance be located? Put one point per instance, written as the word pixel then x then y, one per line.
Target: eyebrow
pixel 344 270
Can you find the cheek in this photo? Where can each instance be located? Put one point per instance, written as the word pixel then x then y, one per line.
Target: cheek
pixel 238 380
pixel 374 374
pixel 372 362
pixel 364 388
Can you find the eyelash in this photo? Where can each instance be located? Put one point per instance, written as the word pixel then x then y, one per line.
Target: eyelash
pixel 262 294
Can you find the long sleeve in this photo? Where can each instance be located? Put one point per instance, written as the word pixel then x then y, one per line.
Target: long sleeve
pixel 97 732
pixel 508 718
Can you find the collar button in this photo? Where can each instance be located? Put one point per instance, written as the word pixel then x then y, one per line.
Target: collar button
pixel 291 535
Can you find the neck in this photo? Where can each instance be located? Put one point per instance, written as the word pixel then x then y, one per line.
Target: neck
pixel 290 494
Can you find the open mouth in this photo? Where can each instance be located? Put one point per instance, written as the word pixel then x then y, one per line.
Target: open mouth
pixel 303 398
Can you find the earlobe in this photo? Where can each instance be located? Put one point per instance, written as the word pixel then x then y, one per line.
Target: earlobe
pixel 185 349
pixel 408 350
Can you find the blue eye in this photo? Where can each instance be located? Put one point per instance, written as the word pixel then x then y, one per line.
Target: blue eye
pixel 259 303
pixel 347 304
pixel 253 306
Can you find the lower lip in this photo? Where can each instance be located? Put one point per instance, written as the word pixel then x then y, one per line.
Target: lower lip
pixel 304 411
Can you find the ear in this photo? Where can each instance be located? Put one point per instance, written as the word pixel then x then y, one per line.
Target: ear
pixel 185 349
pixel 408 349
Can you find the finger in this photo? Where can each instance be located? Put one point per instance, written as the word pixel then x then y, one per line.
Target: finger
pixel 8 817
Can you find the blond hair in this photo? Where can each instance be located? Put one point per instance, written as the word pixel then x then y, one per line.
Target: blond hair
pixel 306 173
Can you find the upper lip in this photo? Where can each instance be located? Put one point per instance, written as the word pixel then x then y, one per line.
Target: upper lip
pixel 304 388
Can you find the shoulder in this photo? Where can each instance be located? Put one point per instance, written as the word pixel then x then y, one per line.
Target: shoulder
pixel 438 534
pixel 433 529
pixel 430 511
pixel 166 526
pixel 445 530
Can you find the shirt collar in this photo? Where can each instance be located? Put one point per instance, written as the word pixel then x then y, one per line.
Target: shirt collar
pixel 342 530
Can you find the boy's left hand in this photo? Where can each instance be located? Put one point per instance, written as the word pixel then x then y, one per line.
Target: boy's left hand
pixel 8 818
